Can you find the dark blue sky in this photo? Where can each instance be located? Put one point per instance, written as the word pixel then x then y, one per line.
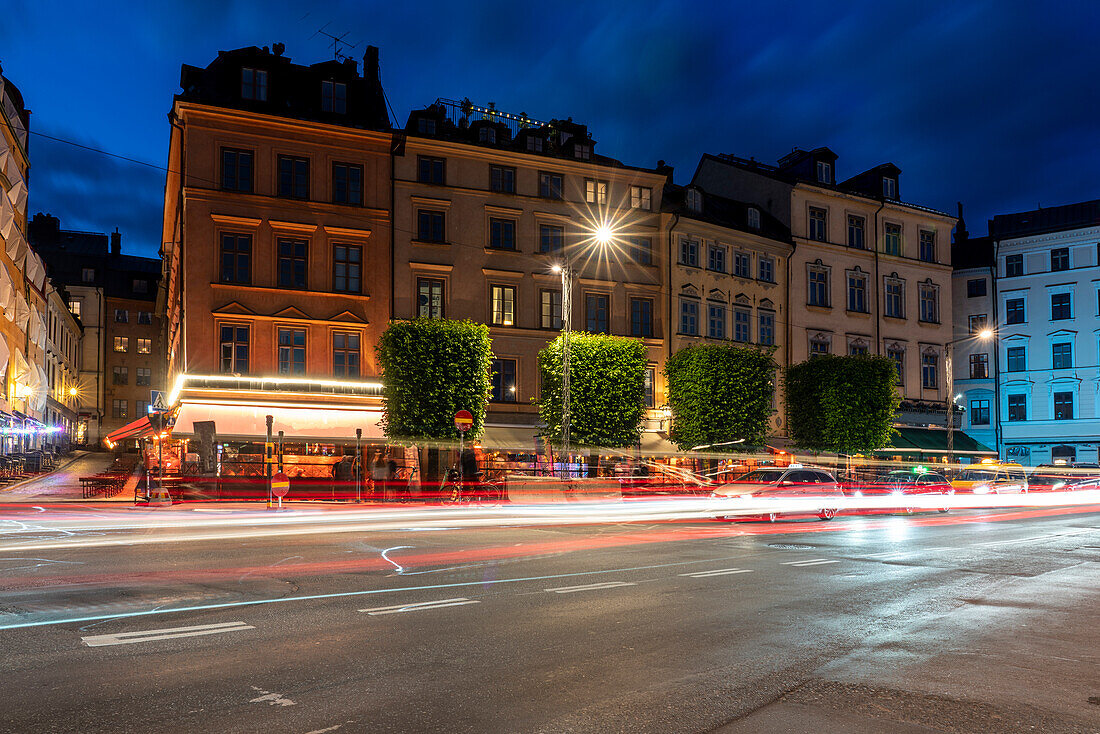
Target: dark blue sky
pixel 991 103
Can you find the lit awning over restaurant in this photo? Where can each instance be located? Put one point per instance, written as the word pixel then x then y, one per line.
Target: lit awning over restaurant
pixel 135 429
pixel 247 422
pixel 933 441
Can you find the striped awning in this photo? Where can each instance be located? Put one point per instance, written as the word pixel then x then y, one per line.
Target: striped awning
pixel 136 429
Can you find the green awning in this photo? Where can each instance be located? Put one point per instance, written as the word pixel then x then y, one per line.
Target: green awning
pixel 932 441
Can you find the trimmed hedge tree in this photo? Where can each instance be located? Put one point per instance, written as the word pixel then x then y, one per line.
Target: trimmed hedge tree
pixel 842 405
pixel 432 368
pixel 720 393
pixel 606 389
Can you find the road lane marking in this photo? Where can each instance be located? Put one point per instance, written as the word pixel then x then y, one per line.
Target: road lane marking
pixel 418 606
pixel 128 638
pixel 810 562
pixel 716 572
pixel 590 587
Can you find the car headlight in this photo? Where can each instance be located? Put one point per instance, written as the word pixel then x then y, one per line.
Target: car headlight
pixel 897 491
pixel 1058 485
pixel 981 488
pixel 745 496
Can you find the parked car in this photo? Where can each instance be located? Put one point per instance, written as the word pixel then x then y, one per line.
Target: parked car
pixel 1063 477
pixel 794 481
pixel 990 477
pixel 902 483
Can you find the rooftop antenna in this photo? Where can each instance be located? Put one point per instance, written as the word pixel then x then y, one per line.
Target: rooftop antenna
pixel 339 45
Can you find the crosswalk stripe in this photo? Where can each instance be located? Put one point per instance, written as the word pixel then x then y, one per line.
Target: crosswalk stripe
pixel 419 606
pixel 716 572
pixel 590 587
pixel 128 638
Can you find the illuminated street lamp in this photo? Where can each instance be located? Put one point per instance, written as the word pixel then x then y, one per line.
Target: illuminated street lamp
pixel 984 335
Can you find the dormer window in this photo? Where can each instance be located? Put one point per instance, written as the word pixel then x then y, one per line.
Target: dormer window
pixel 889 187
pixel 824 172
pixel 254 84
pixel 754 218
pixel 487 135
pixel 583 152
pixel 534 144
pixel 425 126
pixel 694 200
pixel 334 97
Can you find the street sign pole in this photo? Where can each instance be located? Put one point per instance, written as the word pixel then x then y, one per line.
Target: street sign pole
pixel 358 465
pixel 267 463
pixel 464 421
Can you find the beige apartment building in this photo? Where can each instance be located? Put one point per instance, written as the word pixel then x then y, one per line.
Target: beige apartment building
pixel 869 273
pixel 486 204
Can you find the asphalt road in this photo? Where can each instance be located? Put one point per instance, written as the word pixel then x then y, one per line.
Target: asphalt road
pixel 977 621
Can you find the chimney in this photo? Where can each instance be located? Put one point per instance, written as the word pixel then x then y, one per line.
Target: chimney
pixel 664 169
pixel 370 64
pixel 961 235
pixel 116 242
pixel 278 48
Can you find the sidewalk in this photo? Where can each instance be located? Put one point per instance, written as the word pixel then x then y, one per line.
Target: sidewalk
pixel 61 484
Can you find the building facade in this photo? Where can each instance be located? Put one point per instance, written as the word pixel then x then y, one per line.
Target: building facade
pixel 486 204
pixel 1047 295
pixel 64 335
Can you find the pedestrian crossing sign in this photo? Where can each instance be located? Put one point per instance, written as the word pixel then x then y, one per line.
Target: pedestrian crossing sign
pixel 159 403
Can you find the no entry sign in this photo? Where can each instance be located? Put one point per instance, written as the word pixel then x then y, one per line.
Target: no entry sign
pixel 280 485
pixel 464 420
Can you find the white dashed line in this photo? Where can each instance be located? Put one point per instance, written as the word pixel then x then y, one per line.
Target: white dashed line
pixel 810 562
pixel 419 606
pixel 717 572
pixel 590 587
pixel 128 638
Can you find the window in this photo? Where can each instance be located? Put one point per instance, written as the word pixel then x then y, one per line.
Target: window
pixel 648 387
pixel 502 234
pixel 234 349
pixel 430 170
pixel 1061 355
pixel 236 252
pixel 551 238
pixel 1014 265
pixel 254 84
pixel 118 409
pixel 929 371
pixel 122 316
pixel 140 285
pixel 975 288
pixel 753 218
pixel 927 251
pixel 818 291
pixel 892 242
pixel 534 144
pixel 334 97
pixel 1063 406
pixel 641 317
pixel 144 376
pixel 347 184
pixel 766 267
pixel 716 258
pixel 429 298
pixel 824 172
pixel 292 263
pixel 767 327
pixel 141 407
pixel 857 348
pixel 979 412
pixel 642 250
pixel 75 306
pixel 689 252
pixel 819 345
pixel 716 321
pixel 895 298
pixel 1014 311
pixel 144 346
pixel 582 152
pixel 693 198
pixel 641 197
pixel 237 170
pixel 857 292
pixel 889 187
pixel 595 192
pixel 818 224
pixel 898 355
pixel 550 315
pixel 430 226
pixel 597 312
pixel 502 179
pixel 293 177
pixel 1017 407
pixel 550 185
pixel 145 317
pixel 87 275
pixel 486 134
pixel 504 381
pixel 979 366
pixel 1017 359
pixel 292 351
pixel 855 232
pixel 741 325
pixel 122 343
pixel 689 317
pixel 503 298
pixel 1059 258
pixel 978 323
pixel 120 376
pixel 346 267
pixel 425 126
pixel 929 304
pixel 742 264
pixel 345 354
pixel 1060 307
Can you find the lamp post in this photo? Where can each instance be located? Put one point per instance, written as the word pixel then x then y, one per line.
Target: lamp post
pixel 947 364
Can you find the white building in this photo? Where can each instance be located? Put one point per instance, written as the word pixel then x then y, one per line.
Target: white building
pixel 1048 307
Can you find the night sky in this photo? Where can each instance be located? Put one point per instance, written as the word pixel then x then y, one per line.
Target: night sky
pixel 991 103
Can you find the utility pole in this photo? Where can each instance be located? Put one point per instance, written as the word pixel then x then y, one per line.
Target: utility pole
pixel 567 329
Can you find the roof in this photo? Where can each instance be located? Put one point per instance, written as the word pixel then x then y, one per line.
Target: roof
pixel 972 252
pixel 1040 221
pixel 723 212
